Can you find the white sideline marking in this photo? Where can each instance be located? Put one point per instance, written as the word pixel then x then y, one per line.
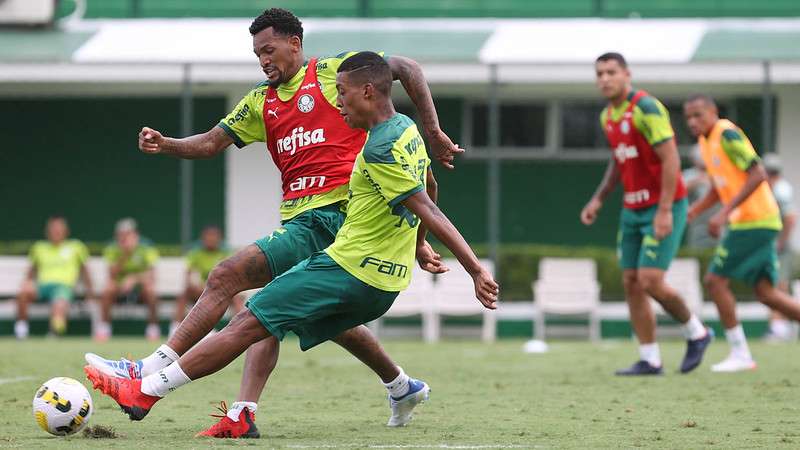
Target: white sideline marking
pixel 448 446
pixel 14 379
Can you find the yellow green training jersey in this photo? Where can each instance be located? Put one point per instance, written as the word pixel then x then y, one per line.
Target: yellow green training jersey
pixel 245 125
pixel 58 263
pixel 377 241
pixel 202 260
pixel 143 258
pixel 650 118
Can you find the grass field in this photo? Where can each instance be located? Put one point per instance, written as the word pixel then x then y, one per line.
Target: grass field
pixel 483 396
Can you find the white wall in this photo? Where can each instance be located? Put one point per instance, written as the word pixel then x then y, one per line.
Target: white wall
pixel 788 142
pixel 252 190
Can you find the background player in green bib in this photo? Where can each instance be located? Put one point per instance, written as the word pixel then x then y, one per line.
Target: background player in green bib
pixel 56 265
pixel 357 278
pixel 199 262
pixel 131 272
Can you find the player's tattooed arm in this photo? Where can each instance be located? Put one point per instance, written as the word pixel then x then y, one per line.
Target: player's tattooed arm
pixel 432 188
pixel 413 80
pixel 199 146
pixel 486 289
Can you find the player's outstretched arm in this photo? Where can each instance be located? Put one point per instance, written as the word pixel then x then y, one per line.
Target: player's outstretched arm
pixel 413 80
pixel 486 289
pixel 607 185
pixel 199 146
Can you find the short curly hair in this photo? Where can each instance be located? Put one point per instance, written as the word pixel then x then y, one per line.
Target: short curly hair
pixel 283 22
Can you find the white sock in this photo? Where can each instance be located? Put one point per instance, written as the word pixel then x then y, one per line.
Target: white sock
pixel 781 328
pixel 21 330
pixel 164 381
pixel 159 359
pixel 399 386
pixel 650 353
pixel 738 342
pixel 237 408
pixel 103 328
pixel 693 329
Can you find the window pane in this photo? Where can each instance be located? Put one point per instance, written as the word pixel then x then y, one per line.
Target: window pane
pixel 580 126
pixel 520 125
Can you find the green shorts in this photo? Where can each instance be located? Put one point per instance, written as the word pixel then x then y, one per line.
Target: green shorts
pixel 747 255
pixel 300 237
pixel 317 300
pixel 55 291
pixel 636 244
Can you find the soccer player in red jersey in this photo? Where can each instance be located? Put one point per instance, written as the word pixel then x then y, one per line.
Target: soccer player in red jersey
pixel 645 158
pixel 294 111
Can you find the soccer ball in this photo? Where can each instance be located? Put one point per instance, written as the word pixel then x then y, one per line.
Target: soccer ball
pixel 62 406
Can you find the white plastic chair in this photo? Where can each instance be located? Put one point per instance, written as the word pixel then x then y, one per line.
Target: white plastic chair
pixel 567 287
pixel 455 296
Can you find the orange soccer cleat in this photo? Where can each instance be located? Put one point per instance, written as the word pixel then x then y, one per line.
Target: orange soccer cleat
pixel 227 428
pixel 127 393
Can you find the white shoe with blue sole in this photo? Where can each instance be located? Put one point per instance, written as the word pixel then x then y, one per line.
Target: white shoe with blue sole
pixel 403 407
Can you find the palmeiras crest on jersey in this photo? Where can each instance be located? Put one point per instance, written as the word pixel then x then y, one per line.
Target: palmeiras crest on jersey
pixel 305 103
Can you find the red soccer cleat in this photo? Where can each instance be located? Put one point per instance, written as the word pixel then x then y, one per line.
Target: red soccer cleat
pixel 127 393
pixel 227 428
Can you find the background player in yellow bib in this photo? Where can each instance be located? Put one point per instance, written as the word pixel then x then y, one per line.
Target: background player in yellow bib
pixel 747 251
pixel 56 265
pixel 354 280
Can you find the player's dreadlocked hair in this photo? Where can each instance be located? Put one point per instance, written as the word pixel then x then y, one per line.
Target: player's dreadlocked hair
pixel 369 67
pixel 283 22
pixel 613 56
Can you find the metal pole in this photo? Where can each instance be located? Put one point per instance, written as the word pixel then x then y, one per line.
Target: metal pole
pixel 186 168
pixel 363 8
pixel 493 219
pixel 766 109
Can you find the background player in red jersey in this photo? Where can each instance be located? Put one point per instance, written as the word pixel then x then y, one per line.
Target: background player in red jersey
pixel 645 158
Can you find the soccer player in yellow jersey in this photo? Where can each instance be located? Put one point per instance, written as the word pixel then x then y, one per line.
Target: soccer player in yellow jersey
pixel 747 251
pixel 295 113
pixel 354 280
pixel 55 267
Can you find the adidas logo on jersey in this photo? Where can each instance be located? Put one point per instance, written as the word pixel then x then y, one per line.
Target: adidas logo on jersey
pixel 299 139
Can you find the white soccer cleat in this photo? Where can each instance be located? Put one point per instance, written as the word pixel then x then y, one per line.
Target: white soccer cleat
pixel 122 368
pixel 734 364
pixel 402 408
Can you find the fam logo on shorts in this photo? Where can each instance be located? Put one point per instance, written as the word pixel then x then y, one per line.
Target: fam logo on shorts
pixel 305 103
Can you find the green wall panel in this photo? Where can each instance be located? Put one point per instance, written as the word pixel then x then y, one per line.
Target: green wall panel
pixel 79 157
